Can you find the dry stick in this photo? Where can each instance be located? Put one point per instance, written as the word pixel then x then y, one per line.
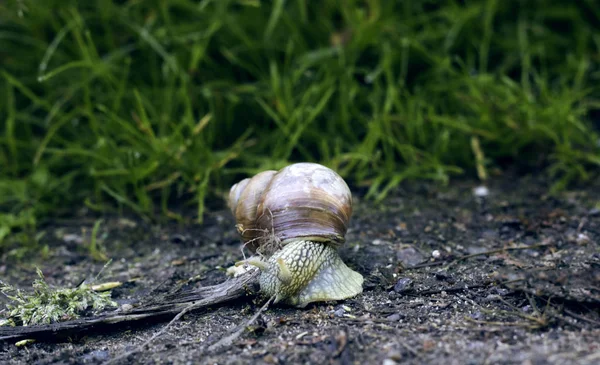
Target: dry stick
pixel 499 250
pixel 592 357
pixel 569 322
pixel 491 252
pixel 159 333
pixel 581 225
pixel 452 289
pixel 426 264
pixel 410 349
pixel 581 318
pixel 228 340
pixel 342 337
pixel 169 305
pixel 502 324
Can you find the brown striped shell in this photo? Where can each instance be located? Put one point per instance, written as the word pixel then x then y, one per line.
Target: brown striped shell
pixel 301 201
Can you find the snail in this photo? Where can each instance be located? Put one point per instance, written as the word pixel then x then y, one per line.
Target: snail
pixel 294 220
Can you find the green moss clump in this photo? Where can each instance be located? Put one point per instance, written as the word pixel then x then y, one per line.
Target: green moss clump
pixel 48 305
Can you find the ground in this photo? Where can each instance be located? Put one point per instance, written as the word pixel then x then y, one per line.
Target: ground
pixel 438 287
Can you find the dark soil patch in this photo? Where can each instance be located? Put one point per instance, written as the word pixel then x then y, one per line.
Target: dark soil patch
pixel 420 305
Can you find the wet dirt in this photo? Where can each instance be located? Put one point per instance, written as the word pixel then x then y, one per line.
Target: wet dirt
pixel 512 277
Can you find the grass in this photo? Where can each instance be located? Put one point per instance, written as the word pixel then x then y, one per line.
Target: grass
pixel 133 105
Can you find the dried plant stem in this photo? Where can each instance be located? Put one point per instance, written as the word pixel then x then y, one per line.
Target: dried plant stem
pixel 502 324
pixel 485 253
pixel 581 318
pixel 504 249
pixel 223 342
pixel 156 335
pixel 228 340
pixel 157 310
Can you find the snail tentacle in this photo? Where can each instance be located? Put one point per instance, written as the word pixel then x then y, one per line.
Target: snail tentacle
pixel 254 261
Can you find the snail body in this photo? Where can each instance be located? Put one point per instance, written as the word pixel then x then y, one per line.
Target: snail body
pixel 295 219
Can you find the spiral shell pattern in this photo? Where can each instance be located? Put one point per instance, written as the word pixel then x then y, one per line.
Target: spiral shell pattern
pixel 304 201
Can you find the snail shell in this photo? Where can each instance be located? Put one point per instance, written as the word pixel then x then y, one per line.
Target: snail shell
pixel 243 200
pixel 305 210
pixel 301 201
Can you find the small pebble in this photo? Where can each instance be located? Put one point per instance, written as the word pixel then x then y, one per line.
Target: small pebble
pixel 389 362
pixel 436 254
pixel 126 307
pixel 403 285
pixel 270 359
pixel 394 317
pixel 476 315
pixel 178 238
pixel 124 222
pixel 471 250
pixel 395 355
pixel 341 311
pixel 410 256
pixel 442 275
pixel 301 335
pixel 96 356
pixel 73 238
pixel 481 191
pixel 582 238
pixel 378 242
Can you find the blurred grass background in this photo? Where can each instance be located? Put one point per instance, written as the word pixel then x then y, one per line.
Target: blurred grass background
pixel 137 104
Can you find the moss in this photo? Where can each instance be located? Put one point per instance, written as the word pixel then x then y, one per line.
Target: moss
pixel 48 305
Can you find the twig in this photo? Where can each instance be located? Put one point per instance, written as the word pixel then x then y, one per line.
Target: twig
pixel 452 289
pixel 581 318
pixel 491 252
pixel 426 264
pixel 455 289
pixel 581 224
pixel 592 357
pixel 342 339
pixel 568 322
pixel 410 349
pixel 367 320
pixel 228 340
pixel 505 283
pixel 479 158
pixel 502 324
pixel 499 250
pixel 156 335
pixel 164 307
